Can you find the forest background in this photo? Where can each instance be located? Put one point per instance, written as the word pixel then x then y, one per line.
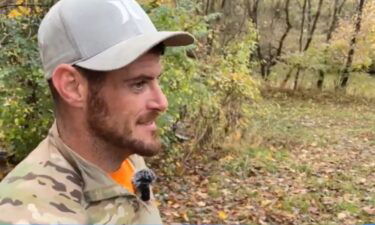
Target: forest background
pixel 271 117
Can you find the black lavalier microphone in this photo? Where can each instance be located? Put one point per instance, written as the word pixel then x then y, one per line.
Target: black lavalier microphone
pixel 142 180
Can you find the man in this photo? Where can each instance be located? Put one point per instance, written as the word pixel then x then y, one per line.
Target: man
pixel 102 61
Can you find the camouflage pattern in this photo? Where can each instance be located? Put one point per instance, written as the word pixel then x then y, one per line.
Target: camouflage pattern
pixel 54 185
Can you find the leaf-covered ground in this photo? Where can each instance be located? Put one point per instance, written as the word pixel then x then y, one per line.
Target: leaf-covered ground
pixel 305 160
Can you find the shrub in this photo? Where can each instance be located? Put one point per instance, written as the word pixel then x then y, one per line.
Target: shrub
pixel 209 94
pixel 26 107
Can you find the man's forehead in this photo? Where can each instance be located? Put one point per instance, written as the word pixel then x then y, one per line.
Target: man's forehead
pixel 148 64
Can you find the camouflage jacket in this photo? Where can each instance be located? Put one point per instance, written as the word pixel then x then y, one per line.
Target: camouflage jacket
pixel 55 185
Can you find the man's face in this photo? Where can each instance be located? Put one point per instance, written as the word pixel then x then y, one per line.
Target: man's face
pixel 123 111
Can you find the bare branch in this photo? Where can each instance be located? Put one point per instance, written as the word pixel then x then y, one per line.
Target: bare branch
pixel 353 41
pixel 288 27
pixel 302 25
pixel 311 32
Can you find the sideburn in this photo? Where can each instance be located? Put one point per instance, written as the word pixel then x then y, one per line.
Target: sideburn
pixel 97 116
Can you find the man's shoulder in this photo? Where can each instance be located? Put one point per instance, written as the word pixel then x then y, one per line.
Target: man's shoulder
pixel 43 185
pixel 44 162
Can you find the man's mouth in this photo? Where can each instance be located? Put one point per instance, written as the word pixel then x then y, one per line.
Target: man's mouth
pixel 148 121
pixel 149 125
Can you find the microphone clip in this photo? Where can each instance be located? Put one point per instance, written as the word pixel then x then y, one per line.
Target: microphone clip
pixel 142 181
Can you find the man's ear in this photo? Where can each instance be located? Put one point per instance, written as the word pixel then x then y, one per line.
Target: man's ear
pixel 70 85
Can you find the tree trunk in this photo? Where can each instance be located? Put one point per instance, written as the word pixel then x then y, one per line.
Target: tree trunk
pixel 296 79
pixel 252 9
pixel 267 56
pixel 313 28
pixel 207 7
pixel 345 72
pixel 288 27
pixel 310 34
pixel 309 14
pixel 336 12
pixel 302 25
pixel 320 81
pixel 287 77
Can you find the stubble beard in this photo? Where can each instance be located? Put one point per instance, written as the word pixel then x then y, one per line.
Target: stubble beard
pixel 98 120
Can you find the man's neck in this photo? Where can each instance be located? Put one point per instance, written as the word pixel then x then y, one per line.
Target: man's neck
pixel 94 150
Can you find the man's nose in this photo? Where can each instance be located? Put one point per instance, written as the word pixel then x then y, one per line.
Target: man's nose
pixel 158 101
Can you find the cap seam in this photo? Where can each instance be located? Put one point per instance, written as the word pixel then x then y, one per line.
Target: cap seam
pixel 69 35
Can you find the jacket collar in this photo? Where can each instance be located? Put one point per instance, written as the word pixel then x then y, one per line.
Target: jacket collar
pixel 97 185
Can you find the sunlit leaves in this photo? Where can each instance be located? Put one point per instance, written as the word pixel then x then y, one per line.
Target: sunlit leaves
pixel 365 46
pixel 24 8
pixel 222 215
pixel 157 3
pixel 20 10
pixel 208 94
pixel 26 111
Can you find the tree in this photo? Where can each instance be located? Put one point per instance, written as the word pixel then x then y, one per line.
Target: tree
pixel 344 76
pixel 270 50
pixel 309 38
pixel 337 8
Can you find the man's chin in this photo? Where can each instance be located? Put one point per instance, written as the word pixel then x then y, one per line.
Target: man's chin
pixel 147 152
pixel 147 149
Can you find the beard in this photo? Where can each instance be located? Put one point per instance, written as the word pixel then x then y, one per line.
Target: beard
pixel 100 126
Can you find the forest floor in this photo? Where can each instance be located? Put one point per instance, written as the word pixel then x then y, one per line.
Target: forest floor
pixel 307 159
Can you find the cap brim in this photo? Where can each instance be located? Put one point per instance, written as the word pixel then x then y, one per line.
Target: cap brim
pixel 126 52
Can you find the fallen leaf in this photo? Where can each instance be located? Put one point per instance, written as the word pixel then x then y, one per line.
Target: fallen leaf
pixel 342 215
pixel 222 215
pixel 202 195
pixel 369 210
pixel 265 202
pixel 314 210
pixel 185 216
pixel 201 204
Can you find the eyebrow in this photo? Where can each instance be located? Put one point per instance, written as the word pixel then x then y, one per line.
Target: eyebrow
pixel 142 77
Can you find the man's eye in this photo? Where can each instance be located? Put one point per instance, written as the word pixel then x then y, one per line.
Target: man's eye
pixel 139 86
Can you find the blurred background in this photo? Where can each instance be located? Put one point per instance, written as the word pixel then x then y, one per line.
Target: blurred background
pixel 272 110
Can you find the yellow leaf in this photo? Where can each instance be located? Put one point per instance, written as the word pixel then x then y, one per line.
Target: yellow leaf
pixel 24 10
pixel 185 216
pixel 38 9
pixel 14 13
pixel 265 202
pixel 222 215
pixel 144 1
pixel 20 11
pixel 227 158
pixel 157 2
pixel 167 2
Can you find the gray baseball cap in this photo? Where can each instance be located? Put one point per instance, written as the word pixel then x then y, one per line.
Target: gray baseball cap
pixel 99 35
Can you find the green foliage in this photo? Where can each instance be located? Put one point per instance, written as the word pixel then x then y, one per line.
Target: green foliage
pixel 209 95
pixel 26 107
